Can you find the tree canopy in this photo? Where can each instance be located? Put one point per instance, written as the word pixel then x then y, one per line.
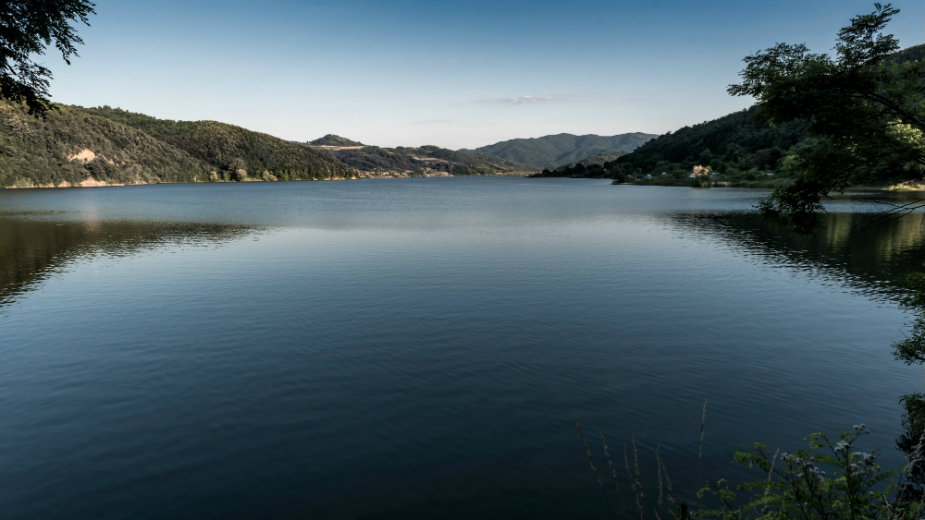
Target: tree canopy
pixel 865 111
pixel 27 27
pixel 865 108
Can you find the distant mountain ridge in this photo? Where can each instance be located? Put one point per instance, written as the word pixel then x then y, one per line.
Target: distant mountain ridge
pixel 407 161
pixel 552 151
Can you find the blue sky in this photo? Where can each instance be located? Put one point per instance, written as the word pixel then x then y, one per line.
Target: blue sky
pixel 455 74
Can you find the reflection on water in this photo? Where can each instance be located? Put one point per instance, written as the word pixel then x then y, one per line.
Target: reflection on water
pixel 31 249
pixel 865 250
pixel 419 349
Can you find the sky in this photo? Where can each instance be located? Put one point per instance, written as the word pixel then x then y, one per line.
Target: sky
pixel 459 74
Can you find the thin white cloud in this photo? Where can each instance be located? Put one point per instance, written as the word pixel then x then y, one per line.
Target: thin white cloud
pixel 521 100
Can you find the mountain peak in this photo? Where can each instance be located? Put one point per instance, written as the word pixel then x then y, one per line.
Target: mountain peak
pixel 334 140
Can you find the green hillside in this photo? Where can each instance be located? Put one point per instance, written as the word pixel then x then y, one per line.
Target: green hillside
pixel 75 145
pixel 229 149
pixel 742 148
pixel 600 158
pixel 71 146
pixel 914 53
pixel 735 147
pixel 553 151
pixel 425 160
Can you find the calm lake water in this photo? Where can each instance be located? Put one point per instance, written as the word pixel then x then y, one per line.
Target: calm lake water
pixel 421 348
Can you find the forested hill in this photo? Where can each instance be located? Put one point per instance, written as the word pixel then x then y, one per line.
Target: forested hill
pixel 553 151
pixel 599 158
pixel 70 147
pixel 79 146
pixel 334 140
pixel 736 145
pixel 914 53
pixel 738 149
pixel 421 161
pixel 229 149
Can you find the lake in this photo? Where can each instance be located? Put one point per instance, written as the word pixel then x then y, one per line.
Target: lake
pixel 421 348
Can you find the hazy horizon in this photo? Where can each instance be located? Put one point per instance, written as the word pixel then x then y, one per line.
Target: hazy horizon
pixel 410 73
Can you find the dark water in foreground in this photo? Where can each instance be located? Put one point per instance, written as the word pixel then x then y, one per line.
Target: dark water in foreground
pixel 419 348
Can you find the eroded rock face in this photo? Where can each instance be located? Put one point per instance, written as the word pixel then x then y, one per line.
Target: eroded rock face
pixel 85 156
pixel 90 182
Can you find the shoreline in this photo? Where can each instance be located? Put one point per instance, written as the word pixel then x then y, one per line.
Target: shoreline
pixel 93 183
pixel 90 182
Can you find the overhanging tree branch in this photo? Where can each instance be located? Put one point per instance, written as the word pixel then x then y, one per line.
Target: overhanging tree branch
pixel 865 107
pixel 27 28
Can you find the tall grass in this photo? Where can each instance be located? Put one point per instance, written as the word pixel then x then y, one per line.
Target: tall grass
pixel 825 479
pixel 662 504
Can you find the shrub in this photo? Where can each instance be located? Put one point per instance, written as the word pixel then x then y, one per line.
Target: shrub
pixel 825 480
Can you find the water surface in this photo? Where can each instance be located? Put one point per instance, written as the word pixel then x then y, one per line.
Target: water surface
pixel 420 348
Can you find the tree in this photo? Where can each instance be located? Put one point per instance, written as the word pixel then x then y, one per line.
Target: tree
pixel 27 27
pixel 865 111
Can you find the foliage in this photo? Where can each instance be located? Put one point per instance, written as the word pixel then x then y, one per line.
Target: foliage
pixel 227 149
pixel 417 161
pixel 600 158
pixel 27 27
pixel 821 124
pixel 73 144
pixel 553 151
pixel 374 158
pixel 144 122
pixel 576 171
pixel 734 143
pixel 334 140
pixel 912 349
pixel 866 112
pixel 865 108
pixel 739 147
pixel 457 163
pixel 912 443
pixel 47 151
pixel 824 480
